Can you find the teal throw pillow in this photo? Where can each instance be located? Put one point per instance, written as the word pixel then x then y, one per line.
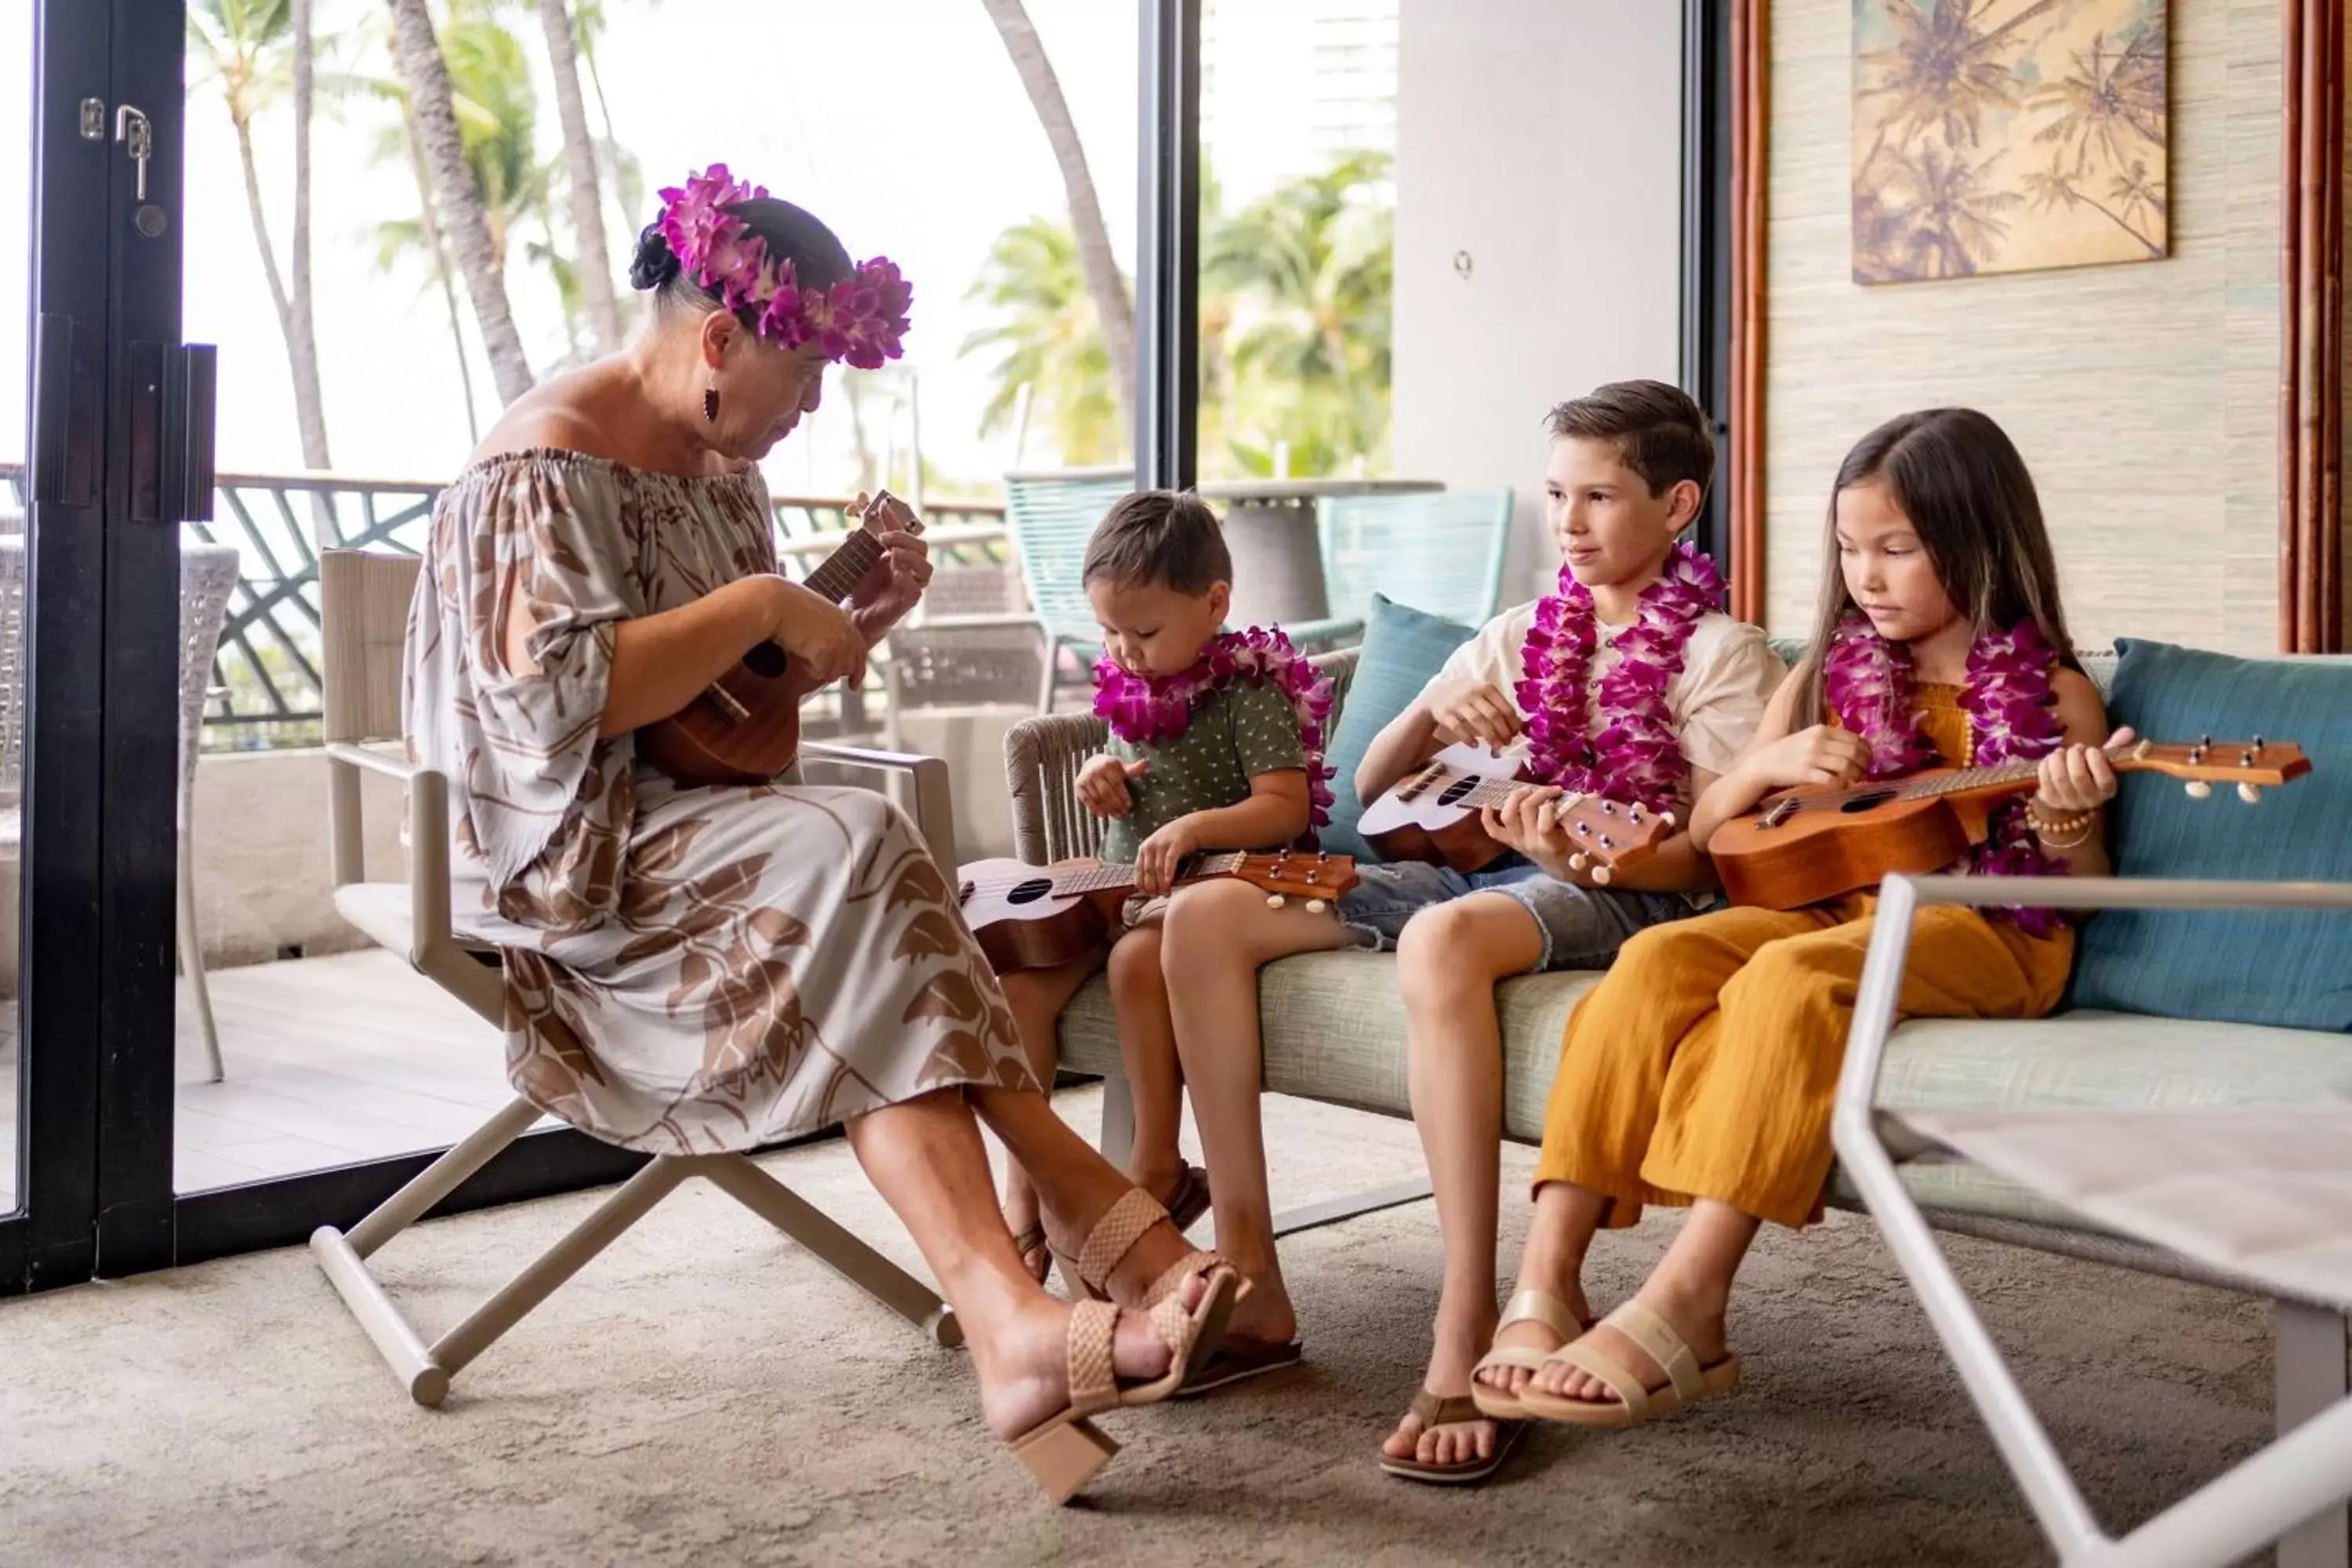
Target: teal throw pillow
pixel 2287 967
pixel 1403 647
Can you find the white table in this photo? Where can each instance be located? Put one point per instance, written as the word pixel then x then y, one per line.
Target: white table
pixel 1277 554
pixel 2260 1194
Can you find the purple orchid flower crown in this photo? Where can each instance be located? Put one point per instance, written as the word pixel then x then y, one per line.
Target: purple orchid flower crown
pixel 860 320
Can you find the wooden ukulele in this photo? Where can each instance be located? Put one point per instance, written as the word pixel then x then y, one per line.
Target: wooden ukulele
pixel 1433 814
pixel 745 727
pixel 1035 917
pixel 1803 846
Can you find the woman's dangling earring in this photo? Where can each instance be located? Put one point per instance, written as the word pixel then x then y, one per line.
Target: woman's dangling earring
pixel 710 405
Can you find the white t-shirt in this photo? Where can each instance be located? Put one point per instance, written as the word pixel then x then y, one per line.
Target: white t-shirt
pixel 1729 674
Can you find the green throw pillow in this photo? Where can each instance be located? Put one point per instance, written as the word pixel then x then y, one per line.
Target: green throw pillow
pixel 2287 967
pixel 1403 647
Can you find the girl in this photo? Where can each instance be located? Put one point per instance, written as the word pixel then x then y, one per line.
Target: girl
pixel 1701 1069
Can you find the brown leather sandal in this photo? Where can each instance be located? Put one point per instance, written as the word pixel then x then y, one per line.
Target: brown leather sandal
pixel 1441 1410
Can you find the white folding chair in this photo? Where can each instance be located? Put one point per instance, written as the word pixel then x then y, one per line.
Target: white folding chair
pixel 365 605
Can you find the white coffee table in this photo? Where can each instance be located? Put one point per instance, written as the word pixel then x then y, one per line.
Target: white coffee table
pixel 2260 1194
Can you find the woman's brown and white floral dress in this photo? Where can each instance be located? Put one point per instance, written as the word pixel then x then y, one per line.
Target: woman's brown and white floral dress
pixel 686 969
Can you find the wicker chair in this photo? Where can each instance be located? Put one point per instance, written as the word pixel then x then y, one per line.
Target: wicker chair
pixel 971 642
pixel 208 575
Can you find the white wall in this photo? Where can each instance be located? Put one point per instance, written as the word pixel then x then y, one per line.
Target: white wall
pixel 1542 137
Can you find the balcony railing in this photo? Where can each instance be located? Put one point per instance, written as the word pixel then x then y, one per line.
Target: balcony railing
pixel 266 670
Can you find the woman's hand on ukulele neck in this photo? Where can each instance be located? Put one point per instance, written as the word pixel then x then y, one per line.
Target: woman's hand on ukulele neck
pixel 891 585
pixel 820 635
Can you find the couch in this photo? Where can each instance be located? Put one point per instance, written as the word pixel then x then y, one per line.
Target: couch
pixel 1333 1027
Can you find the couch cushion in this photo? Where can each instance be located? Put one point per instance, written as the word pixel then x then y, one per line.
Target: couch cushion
pixel 2285 967
pixel 1334 1030
pixel 1403 647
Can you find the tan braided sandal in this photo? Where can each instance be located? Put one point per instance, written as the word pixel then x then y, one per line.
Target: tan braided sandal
pixel 1065 1450
pixel 1687 1381
pixel 1115 1236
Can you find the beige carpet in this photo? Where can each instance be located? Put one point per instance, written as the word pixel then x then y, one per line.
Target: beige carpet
pixel 705 1394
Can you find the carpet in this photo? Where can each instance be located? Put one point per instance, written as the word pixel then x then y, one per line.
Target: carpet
pixel 705 1394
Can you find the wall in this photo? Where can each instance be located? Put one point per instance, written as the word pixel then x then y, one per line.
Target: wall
pixel 1543 137
pixel 2145 397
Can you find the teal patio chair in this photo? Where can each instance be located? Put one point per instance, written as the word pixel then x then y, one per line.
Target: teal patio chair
pixel 1441 553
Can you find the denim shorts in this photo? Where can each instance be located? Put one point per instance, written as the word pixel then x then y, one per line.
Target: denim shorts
pixel 1582 928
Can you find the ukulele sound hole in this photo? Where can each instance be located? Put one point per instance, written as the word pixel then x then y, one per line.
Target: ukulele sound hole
pixel 1455 792
pixel 1030 891
pixel 765 660
pixel 1870 802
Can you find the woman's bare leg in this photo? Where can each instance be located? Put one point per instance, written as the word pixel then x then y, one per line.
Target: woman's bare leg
pixel 1449 958
pixel 1147 1045
pixel 1037 997
pixel 1218 935
pixel 925 1159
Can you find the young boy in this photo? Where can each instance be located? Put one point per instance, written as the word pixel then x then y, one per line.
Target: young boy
pixel 1213 759
pixel 1629 470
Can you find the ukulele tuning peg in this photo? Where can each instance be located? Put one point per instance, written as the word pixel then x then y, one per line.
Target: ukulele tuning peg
pixel 1667 820
pixel 1601 876
pixel 1579 862
pixel 2250 794
pixel 2199 789
pixel 1275 900
pixel 1316 906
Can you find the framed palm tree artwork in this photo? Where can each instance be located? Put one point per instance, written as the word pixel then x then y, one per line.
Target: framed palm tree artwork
pixel 2006 136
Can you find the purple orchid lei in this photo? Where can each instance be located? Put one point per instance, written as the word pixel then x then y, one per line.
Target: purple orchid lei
pixel 1635 756
pixel 861 319
pixel 1144 711
pixel 2012 718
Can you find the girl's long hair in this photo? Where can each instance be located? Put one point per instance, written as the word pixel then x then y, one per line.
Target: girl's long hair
pixel 1957 477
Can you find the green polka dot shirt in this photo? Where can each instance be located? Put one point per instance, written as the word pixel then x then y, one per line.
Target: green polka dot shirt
pixel 1245 730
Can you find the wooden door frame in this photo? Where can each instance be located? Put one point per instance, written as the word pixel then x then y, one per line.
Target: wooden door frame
pixel 2311 310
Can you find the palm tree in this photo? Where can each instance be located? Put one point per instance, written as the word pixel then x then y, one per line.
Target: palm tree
pixel 2109 102
pixel 1951 221
pixel 595 258
pixel 254 50
pixel 416 54
pixel 1948 65
pixel 1048 337
pixel 1310 271
pixel 1097 262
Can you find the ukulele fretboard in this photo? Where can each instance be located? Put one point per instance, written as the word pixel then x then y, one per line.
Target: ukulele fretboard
pixel 841 570
pixel 1111 876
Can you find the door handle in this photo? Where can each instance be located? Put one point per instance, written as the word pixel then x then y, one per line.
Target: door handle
pixel 65 415
pixel 190 383
pixel 172 418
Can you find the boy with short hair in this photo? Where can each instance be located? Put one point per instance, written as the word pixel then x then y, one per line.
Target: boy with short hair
pixel 1629 682
pixel 1216 743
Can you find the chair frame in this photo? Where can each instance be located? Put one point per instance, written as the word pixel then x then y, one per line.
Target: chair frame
pixel 2294 1491
pixel 466 970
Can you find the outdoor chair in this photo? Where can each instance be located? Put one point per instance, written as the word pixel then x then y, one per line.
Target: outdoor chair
pixel 364 601
pixel 1442 552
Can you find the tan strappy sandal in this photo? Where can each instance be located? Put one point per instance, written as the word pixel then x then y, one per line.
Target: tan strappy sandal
pixel 1528 1306
pixel 1115 1236
pixel 1687 1382
pixel 1065 1450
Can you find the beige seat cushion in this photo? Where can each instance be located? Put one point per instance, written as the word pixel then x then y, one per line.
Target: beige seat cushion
pixel 1334 1030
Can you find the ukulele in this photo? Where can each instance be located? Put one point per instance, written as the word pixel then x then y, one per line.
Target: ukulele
pixel 1803 846
pixel 745 727
pixel 1433 814
pixel 1037 917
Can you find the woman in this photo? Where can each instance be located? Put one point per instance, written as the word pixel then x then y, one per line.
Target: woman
pixel 696 970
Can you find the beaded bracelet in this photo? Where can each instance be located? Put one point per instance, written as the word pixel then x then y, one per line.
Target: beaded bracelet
pixel 2066 833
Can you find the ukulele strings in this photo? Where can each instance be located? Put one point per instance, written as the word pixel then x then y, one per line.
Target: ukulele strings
pixel 1104 878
